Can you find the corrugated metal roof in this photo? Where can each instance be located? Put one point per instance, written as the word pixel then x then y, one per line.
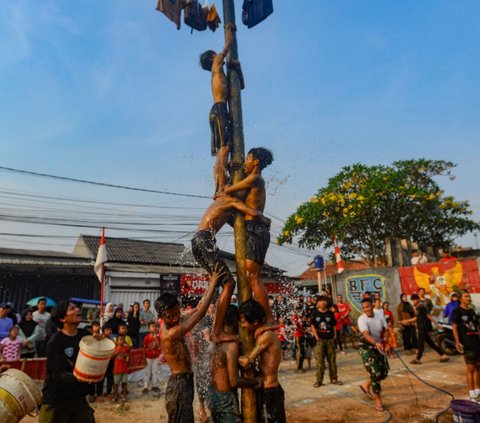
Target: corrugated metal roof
pixel 126 250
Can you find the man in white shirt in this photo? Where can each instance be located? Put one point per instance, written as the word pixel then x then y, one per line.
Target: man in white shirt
pixel 374 334
pixel 418 258
pixel 41 316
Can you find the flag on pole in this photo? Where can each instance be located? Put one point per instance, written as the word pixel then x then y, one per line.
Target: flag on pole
pixel 338 256
pixel 101 258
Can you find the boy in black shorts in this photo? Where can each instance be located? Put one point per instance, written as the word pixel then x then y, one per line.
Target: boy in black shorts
pixel 206 252
pixel 258 231
pixel 219 118
pixel 467 340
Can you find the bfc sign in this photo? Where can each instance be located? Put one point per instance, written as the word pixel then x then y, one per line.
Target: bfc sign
pixel 356 286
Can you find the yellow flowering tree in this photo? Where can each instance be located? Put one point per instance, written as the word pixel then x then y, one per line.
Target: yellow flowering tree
pixel 364 205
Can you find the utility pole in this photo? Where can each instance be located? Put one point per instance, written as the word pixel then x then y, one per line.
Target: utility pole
pixel 248 399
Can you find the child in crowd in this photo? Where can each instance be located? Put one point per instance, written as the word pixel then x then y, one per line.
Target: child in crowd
pixel 96 389
pixel 11 346
pixel 108 333
pixel 120 364
pixel 338 328
pixel 151 343
pixel 281 336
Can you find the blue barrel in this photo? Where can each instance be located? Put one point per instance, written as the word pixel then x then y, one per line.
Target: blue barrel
pixel 318 262
pixel 465 411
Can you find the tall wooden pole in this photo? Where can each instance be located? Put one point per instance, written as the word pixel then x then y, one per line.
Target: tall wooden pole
pixel 238 156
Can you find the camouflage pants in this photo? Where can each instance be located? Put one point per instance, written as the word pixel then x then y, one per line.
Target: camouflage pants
pixel 326 349
pixel 376 364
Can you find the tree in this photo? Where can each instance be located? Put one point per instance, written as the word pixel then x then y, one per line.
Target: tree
pixel 364 205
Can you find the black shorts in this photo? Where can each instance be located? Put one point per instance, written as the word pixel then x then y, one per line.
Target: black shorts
pixel 258 240
pixel 471 356
pixel 271 401
pixel 179 398
pixel 206 252
pixel 220 125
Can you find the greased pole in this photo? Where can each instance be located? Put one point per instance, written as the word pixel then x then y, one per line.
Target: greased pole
pixel 249 414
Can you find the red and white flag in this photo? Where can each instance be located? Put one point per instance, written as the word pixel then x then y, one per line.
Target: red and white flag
pixel 338 256
pixel 101 258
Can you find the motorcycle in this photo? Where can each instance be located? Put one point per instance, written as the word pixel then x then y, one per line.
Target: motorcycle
pixel 445 339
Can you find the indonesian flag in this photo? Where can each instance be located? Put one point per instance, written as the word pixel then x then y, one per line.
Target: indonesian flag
pixel 101 257
pixel 338 256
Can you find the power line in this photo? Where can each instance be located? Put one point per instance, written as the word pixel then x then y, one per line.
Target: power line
pixel 103 184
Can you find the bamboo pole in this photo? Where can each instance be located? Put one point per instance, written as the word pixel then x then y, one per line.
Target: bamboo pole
pixel 248 399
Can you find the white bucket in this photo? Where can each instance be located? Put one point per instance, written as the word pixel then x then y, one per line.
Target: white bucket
pixel 93 358
pixel 19 395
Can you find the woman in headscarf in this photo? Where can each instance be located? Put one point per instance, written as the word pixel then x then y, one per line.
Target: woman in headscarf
pixel 405 311
pixel 116 320
pixel 30 331
pixel 133 322
pixel 107 314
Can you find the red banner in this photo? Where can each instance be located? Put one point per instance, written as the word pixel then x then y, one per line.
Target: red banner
pixel 193 284
pixel 137 360
pixel 441 277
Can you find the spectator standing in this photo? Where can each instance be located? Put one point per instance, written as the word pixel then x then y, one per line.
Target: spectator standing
pixel 344 310
pixel 418 258
pixel 467 340
pixel 422 319
pixel 146 318
pixel 107 314
pixel 120 366
pixel 323 329
pixel 64 396
pixel 151 343
pixel 30 331
pixel 41 315
pixel 281 336
pixel 338 328
pixel 107 332
pixel 280 307
pixel 377 309
pixel 116 320
pixel 133 321
pixel 5 322
pixel 450 307
pixel 405 312
pixel 299 334
pixel 12 313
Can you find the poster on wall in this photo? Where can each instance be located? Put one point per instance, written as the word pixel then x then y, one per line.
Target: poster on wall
pixel 356 285
pixel 170 284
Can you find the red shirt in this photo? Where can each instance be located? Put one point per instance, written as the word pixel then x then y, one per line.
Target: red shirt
pixel 120 362
pixel 299 330
pixel 338 326
pixel 152 346
pixel 389 317
pixel 344 309
pixel 281 332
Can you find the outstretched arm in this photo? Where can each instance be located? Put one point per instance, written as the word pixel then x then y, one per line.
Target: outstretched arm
pixel 229 28
pixel 202 306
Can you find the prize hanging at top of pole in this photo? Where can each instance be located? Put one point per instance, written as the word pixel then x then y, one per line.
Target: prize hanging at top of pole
pixel 200 17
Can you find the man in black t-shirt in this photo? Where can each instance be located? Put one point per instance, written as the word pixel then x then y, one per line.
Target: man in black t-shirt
pixel 467 340
pixel 64 396
pixel 323 328
pixel 423 320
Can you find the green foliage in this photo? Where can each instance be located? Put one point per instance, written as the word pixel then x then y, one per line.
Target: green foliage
pixel 363 205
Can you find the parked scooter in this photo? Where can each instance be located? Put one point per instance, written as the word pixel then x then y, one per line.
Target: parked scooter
pixel 445 339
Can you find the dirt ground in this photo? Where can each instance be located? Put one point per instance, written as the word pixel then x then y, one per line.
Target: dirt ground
pixel 407 399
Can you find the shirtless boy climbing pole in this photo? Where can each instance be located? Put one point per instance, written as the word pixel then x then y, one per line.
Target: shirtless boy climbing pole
pixel 220 122
pixel 206 252
pixel 257 232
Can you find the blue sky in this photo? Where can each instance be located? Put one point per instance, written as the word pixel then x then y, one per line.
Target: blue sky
pixel 110 91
